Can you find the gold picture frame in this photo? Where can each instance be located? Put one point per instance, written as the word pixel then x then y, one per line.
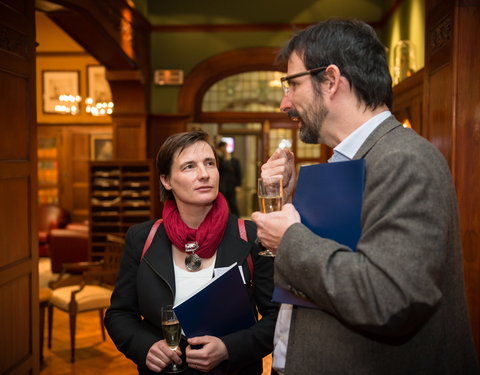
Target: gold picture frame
pixel 98 87
pixel 56 83
pixel 101 147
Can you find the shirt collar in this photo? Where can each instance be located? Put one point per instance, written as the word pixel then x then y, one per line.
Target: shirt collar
pixel 350 145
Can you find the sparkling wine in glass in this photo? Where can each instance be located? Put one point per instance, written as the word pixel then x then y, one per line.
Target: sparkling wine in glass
pixel 171 332
pixel 270 198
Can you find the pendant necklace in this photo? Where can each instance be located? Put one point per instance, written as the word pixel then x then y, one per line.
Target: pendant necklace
pixel 193 262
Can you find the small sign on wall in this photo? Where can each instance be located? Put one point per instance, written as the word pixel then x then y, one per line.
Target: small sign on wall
pixel 163 77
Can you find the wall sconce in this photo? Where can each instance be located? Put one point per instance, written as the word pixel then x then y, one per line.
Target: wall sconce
pixel 404 60
pixel 99 108
pixel 70 105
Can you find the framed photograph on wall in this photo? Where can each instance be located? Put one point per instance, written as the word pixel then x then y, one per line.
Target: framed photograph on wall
pixel 97 85
pixel 101 147
pixel 56 83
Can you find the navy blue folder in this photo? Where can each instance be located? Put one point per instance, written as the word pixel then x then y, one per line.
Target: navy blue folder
pixel 220 308
pixel 329 199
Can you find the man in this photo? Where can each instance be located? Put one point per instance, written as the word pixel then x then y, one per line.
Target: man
pixel 396 305
pixel 230 176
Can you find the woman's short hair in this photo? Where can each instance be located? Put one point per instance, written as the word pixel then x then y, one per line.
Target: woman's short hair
pixel 174 143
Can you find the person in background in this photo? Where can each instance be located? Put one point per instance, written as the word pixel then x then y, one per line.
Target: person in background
pixel 193 210
pixel 397 304
pixel 230 176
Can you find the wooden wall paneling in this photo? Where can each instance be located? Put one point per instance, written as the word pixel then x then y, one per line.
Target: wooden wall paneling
pixel 129 118
pixel 467 150
pixel 129 137
pixel 408 101
pixel 19 320
pixel 439 115
pixel 452 120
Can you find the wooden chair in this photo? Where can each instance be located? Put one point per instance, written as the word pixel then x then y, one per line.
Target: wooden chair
pixel 92 293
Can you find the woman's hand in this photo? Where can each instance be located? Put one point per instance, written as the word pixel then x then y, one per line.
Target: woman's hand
pixel 160 356
pixel 212 353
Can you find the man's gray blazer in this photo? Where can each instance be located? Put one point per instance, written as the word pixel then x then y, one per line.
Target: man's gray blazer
pixel 397 304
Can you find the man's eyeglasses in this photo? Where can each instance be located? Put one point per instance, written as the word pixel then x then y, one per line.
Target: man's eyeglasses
pixel 285 80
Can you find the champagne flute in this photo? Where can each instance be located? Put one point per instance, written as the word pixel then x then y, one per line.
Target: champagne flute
pixel 270 198
pixel 171 332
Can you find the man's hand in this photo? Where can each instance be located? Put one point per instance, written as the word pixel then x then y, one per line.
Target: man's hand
pixel 160 356
pixel 272 226
pixel 212 353
pixel 282 162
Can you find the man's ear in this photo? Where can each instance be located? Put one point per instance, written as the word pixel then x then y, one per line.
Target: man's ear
pixel 165 183
pixel 332 76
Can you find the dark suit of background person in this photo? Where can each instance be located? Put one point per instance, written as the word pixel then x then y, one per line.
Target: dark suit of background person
pixel 397 304
pixel 230 176
pixel 155 282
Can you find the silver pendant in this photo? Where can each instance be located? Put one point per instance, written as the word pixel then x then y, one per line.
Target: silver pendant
pixel 192 261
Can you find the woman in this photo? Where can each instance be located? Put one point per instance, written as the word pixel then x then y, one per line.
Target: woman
pixel 193 210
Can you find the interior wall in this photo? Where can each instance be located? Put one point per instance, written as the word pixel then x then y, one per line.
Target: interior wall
pixel 57 51
pixel 178 47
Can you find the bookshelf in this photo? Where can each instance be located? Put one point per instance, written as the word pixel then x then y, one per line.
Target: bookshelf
pixel 121 194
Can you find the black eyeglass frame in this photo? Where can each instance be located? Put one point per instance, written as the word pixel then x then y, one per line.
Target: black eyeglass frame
pixel 296 75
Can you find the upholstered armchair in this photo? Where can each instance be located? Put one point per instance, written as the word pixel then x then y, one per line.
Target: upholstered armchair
pixel 50 216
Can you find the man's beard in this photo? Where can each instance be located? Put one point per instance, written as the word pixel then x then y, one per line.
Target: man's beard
pixel 312 122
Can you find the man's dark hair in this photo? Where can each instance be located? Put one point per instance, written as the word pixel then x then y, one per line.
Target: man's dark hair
pixel 354 48
pixel 177 142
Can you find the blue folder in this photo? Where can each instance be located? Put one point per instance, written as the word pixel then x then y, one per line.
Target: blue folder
pixel 329 199
pixel 220 308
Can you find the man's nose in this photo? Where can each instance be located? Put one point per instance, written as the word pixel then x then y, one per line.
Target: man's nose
pixel 286 104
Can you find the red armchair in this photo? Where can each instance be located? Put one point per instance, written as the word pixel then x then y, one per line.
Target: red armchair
pixel 50 216
pixel 68 246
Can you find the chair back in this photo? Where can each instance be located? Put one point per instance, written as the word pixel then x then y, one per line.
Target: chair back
pixel 67 246
pixel 110 262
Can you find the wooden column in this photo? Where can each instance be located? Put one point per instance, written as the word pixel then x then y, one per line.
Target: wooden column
pixel 452 120
pixel 19 312
pixel 130 114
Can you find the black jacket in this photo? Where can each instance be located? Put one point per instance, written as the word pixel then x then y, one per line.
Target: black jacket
pixel 142 288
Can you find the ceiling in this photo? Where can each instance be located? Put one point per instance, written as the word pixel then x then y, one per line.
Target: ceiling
pixel 259 11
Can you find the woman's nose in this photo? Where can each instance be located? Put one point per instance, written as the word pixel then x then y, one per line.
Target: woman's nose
pixel 203 172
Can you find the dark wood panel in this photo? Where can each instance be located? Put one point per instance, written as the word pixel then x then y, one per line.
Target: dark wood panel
pixel 130 138
pixel 439 111
pixel 451 118
pixel 13 91
pixel 14 211
pixel 467 154
pixel 15 315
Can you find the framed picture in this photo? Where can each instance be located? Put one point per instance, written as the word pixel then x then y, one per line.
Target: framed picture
pixel 56 83
pixel 101 147
pixel 97 85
